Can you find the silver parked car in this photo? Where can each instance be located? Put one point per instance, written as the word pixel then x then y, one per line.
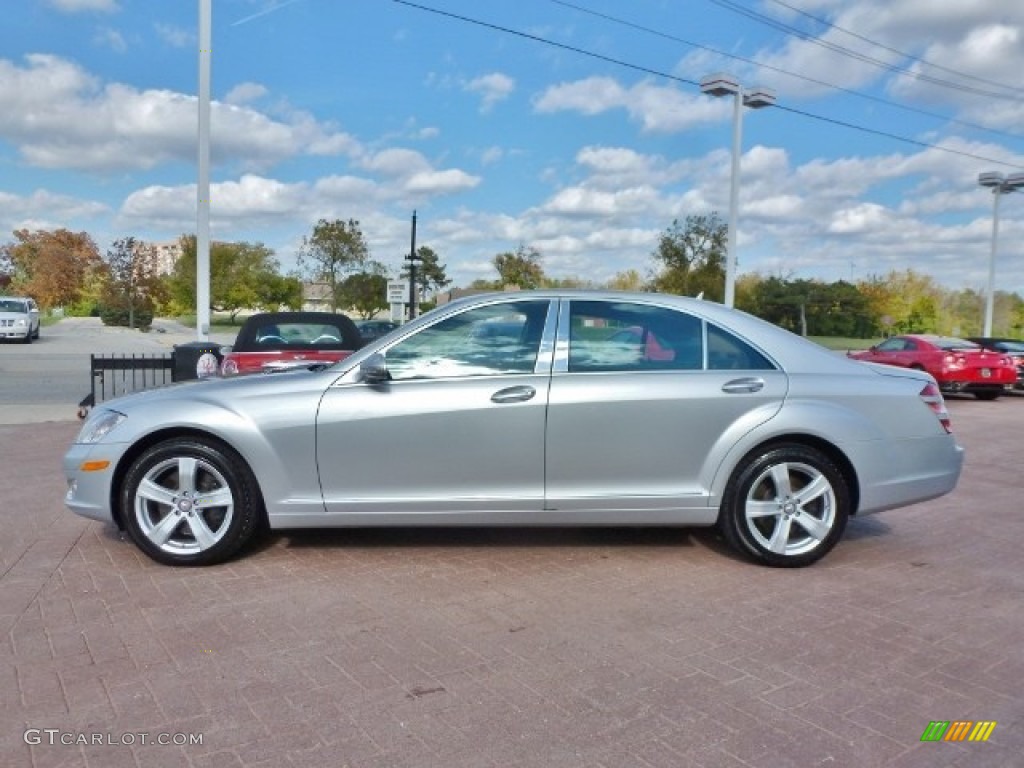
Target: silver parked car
pixel 19 318
pixel 587 408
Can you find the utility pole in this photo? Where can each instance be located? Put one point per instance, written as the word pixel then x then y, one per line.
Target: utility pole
pixel 412 257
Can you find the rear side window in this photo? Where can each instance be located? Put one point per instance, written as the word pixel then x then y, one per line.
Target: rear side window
pixel 619 336
pixel 727 352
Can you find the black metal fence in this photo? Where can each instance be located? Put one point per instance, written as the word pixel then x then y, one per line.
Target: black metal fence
pixel 115 375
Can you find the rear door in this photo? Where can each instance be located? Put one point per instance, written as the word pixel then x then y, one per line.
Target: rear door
pixel 643 400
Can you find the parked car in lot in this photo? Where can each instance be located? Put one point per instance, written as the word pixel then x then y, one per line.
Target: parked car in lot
pixel 733 422
pixel 275 341
pixel 371 330
pixel 1012 347
pixel 958 365
pixel 19 318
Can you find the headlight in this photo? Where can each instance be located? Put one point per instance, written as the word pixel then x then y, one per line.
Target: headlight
pixel 21 321
pixel 98 425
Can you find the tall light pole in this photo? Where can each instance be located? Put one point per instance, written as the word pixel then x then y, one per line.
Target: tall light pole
pixel 755 98
pixel 203 181
pixel 1000 186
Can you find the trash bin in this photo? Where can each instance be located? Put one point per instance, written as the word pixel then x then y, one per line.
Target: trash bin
pixel 196 360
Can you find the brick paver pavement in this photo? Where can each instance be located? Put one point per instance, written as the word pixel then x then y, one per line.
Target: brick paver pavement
pixel 526 648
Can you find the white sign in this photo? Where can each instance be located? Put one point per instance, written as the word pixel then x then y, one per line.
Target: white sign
pixel 398 292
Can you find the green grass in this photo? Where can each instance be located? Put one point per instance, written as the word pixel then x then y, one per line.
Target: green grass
pixel 841 344
pixel 219 323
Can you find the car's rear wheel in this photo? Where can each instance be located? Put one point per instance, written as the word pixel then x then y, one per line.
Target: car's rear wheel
pixel 987 394
pixel 785 505
pixel 190 501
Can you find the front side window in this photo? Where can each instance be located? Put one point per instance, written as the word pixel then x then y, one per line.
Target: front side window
pixel 493 340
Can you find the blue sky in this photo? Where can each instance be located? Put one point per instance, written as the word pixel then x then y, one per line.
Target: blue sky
pixel 582 136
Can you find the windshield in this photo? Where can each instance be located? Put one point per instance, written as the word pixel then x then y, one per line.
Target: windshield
pixel 12 305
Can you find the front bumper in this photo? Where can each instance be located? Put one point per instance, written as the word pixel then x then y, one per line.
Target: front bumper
pixel 89 492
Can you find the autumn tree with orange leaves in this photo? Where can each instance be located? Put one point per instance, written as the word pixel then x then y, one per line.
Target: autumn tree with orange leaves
pixel 51 267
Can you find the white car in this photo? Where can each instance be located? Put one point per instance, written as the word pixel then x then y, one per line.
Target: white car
pixel 19 318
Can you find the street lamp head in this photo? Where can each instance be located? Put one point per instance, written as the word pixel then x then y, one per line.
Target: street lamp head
pixel 990 179
pixel 1014 181
pixel 758 97
pixel 720 84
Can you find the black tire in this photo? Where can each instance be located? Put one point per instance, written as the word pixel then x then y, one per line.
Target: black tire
pixel 987 394
pixel 793 526
pixel 171 481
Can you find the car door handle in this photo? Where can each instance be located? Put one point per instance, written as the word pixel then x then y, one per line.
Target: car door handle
pixel 513 395
pixel 740 386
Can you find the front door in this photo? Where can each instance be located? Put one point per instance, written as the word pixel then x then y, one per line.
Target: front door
pixel 458 428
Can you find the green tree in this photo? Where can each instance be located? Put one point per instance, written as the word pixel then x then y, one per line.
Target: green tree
pixel 691 257
pixel 335 248
pixel 365 292
pixel 521 268
pixel 242 276
pixel 630 280
pixel 431 274
pixel 133 284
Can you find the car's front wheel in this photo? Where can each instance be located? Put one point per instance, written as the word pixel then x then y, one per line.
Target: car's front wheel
pixel 785 505
pixel 190 501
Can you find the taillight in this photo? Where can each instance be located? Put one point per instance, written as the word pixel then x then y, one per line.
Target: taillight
pixel 933 398
pixel 229 367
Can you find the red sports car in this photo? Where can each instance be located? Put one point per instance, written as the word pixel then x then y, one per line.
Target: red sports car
pixel 958 365
pixel 274 341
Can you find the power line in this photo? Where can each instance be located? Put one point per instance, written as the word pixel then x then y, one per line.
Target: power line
pixel 805 78
pixel 926 62
pixel 835 47
pixel 675 78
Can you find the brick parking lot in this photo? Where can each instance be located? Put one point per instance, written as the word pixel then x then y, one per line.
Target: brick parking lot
pixel 540 648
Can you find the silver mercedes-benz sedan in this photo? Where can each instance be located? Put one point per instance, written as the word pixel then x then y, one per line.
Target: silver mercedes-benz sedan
pixel 531 408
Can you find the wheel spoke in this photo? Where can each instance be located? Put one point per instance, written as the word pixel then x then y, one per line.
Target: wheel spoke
pixel 187 473
pixel 220 497
pixel 813 490
pixel 761 508
pixel 161 532
pixel 780 537
pixel 157 493
pixel 815 527
pixel 205 538
pixel 780 476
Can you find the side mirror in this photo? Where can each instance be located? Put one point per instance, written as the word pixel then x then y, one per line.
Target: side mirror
pixel 374 369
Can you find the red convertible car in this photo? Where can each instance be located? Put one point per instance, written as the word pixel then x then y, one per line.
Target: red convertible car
pixel 275 341
pixel 956 364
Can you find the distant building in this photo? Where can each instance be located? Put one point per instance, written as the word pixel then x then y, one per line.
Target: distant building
pixel 161 256
pixel 316 297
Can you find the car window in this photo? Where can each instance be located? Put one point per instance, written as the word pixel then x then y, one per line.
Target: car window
pixel 892 345
pixel 12 305
pixel 619 336
pixel 493 340
pixel 727 352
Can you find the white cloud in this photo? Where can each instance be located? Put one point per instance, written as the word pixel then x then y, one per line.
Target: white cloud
pixel 62 117
pixel 174 36
pixel 107 37
pixel 76 6
pixel 493 88
pixel 659 109
pixel 245 93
